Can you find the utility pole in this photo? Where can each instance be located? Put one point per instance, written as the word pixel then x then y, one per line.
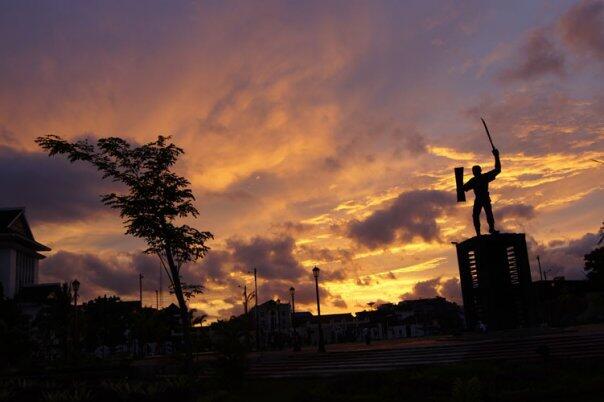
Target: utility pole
pixel 76 336
pixel 540 272
pixel 245 300
pixel 161 295
pixel 256 309
pixel 140 288
pixel 156 299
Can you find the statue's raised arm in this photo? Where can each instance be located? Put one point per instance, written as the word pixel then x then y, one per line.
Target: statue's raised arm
pixel 493 173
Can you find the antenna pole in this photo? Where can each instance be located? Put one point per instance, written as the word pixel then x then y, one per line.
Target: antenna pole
pixel 140 288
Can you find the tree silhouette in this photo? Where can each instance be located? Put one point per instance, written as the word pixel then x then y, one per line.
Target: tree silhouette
pixel 155 198
pixel 594 266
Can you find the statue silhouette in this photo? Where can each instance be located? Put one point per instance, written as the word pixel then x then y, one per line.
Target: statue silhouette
pixel 480 184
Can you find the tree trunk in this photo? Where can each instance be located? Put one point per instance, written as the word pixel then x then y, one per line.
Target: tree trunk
pixel 185 319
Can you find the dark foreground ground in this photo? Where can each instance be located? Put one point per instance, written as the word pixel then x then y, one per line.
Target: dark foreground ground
pixel 535 365
pixel 548 380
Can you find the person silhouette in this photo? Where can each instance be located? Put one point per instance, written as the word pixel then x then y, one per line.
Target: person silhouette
pixel 480 184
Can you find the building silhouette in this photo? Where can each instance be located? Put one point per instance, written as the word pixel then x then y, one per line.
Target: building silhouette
pixel 495 278
pixel 274 323
pixel 19 252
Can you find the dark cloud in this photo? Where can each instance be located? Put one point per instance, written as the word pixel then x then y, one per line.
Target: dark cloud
pixel 332 164
pixel 537 56
pixel 290 227
pixel 423 290
pixel 562 257
pixel 279 289
pixel 273 256
pixel 214 267
pixel 523 211
pixel 412 215
pixel 449 289
pixel 338 302
pixel 410 141
pixel 323 254
pixel 102 275
pixel 366 281
pixel 52 189
pixel 278 268
pixel 582 27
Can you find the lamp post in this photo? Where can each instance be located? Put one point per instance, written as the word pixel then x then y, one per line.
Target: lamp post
pixel 75 285
pixel 292 292
pixel 256 309
pixel 315 273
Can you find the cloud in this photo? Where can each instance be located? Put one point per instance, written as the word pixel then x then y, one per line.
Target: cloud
pixel 366 281
pixel 52 189
pixel 537 56
pixel 523 211
pixel 582 27
pixel 562 257
pixel 537 120
pixel 276 260
pixel 338 302
pixel 411 141
pixel 107 274
pixel 292 228
pixel 448 288
pixel 323 254
pixel 411 215
pixel 272 256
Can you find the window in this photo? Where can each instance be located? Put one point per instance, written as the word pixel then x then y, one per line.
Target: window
pixel 25 269
pixel 473 268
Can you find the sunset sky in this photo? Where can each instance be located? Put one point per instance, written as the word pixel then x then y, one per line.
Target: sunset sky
pixel 315 133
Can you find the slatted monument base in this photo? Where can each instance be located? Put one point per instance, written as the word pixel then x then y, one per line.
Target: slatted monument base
pixel 495 278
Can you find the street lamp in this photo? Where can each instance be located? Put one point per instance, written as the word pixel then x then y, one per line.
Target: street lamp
pixel 292 293
pixel 256 308
pixel 315 273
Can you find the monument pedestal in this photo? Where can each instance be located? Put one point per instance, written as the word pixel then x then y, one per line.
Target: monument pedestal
pixel 495 278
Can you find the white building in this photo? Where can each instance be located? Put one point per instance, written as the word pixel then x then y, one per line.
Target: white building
pixel 19 252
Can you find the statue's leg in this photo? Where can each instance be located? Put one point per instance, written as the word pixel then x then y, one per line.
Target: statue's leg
pixel 488 210
pixel 476 215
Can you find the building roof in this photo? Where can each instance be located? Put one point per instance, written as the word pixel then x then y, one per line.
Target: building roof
pixel 15 228
pixel 7 216
pixel 334 317
pixel 271 305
